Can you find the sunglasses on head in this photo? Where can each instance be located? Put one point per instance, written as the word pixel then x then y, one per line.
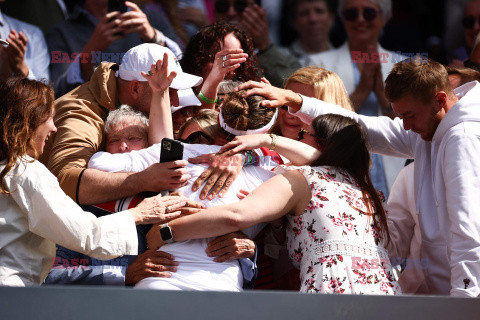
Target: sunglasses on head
pixel 352 14
pixel 222 6
pixel 469 21
pixel 302 133
pixel 197 137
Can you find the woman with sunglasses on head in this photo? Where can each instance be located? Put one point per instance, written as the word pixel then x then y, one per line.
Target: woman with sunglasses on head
pixel 363 65
pixel 337 229
pixel 471 28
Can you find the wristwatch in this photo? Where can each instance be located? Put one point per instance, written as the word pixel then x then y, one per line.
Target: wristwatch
pixel 166 233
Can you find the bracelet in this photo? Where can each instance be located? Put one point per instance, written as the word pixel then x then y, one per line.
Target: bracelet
pixel 274 141
pixel 207 100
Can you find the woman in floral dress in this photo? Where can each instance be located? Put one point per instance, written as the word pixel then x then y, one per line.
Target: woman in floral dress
pixel 337 230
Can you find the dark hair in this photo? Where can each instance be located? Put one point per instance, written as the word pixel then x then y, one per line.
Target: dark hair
pixel 344 145
pixel 207 42
pixel 24 105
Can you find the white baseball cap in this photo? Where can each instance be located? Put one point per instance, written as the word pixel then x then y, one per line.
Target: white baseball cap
pixel 186 98
pixel 141 58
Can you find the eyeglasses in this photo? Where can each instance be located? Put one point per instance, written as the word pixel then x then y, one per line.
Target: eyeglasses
pixel 301 134
pixel 469 21
pixel 197 137
pixel 222 6
pixel 352 14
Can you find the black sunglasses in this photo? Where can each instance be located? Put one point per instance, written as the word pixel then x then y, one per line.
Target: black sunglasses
pixel 222 6
pixel 469 21
pixel 352 14
pixel 198 137
pixel 301 134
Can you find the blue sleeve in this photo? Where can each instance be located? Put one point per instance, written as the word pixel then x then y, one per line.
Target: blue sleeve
pixel 249 271
pixel 71 267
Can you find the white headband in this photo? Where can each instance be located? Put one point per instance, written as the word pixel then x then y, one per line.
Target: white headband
pixel 236 132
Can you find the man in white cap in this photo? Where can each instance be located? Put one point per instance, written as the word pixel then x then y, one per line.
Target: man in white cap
pixel 80 118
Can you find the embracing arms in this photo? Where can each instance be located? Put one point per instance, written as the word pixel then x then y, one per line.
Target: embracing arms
pixel 282 194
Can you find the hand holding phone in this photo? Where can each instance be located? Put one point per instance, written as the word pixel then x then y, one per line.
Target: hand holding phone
pixel 171 150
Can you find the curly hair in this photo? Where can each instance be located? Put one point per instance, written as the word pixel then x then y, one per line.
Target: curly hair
pixel 24 106
pixel 207 42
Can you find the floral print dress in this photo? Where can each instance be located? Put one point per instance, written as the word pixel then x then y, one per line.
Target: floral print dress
pixel 334 242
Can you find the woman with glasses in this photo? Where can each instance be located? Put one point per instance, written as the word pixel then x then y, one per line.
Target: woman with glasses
pixel 200 129
pixel 363 65
pixel 471 28
pixel 337 228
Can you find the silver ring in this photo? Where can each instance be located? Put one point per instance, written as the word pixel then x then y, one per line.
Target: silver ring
pixel 223 64
pixel 225 58
pixel 167 209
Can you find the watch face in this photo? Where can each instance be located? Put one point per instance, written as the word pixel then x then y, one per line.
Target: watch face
pixel 166 233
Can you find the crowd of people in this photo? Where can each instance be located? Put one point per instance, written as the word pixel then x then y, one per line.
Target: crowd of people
pixel 312 165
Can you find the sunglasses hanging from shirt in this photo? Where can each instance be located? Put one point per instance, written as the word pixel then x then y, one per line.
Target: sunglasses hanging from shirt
pixel 352 14
pixel 222 6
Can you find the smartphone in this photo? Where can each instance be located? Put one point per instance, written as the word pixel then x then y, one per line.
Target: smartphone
pixel 171 150
pixel 117 5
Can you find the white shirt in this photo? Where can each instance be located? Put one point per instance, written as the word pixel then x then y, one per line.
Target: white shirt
pixel 405 233
pixel 37 57
pixel 447 185
pixel 196 270
pixel 39 214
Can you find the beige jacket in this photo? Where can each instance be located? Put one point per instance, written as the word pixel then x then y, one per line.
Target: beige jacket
pixel 79 119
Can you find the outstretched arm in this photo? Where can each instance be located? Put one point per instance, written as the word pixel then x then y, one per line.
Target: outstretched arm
pixel 282 194
pixel 385 136
pixel 160 120
pixel 297 152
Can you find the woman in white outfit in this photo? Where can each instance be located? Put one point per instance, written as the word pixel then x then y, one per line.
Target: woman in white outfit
pixel 35 213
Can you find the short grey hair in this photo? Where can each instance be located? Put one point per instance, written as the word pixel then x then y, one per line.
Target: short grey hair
pixel 227 86
pixel 385 6
pixel 125 114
